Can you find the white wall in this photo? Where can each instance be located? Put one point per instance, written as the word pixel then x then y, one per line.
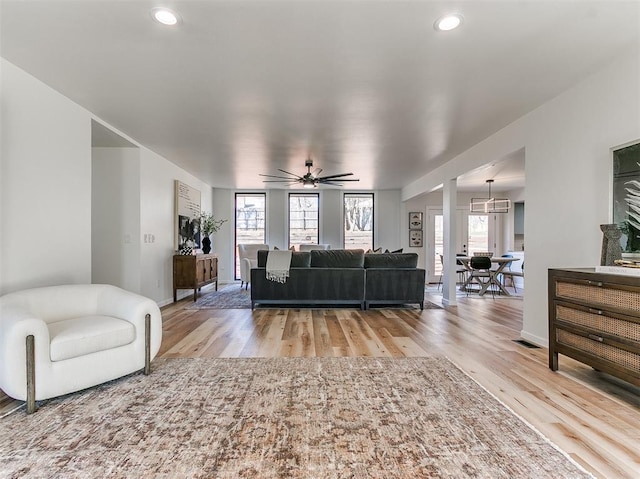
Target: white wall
pixel 157 210
pixel 388 220
pixel 568 168
pixel 115 217
pixel 46 185
pixel 46 196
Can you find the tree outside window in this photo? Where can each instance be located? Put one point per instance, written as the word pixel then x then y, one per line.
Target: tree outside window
pixel 358 221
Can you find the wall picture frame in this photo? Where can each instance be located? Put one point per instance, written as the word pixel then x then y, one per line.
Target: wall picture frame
pixel 187 217
pixel 415 238
pixel 415 220
pixel 626 197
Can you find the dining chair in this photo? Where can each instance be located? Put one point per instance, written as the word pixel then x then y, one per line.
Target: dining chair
pixel 511 274
pixel 481 273
pixel 461 271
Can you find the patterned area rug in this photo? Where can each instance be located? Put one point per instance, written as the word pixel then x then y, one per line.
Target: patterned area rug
pixel 232 296
pixel 281 417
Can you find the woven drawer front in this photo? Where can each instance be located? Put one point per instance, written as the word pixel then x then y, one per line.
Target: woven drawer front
pixel 626 359
pixel 599 322
pixel 593 294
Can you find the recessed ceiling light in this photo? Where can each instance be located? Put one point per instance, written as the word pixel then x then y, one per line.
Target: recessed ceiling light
pixel 164 16
pixel 448 22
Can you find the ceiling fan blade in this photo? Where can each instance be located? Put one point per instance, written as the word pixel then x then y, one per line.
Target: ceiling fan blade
pixel 285 182
pixel 292 174
pixel 335 176
pixel 283 177
pixel 316 172
pixel 320 180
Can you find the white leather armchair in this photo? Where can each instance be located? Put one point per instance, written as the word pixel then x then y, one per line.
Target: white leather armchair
pixel 311 247
pixel 60 339
pixel 248 255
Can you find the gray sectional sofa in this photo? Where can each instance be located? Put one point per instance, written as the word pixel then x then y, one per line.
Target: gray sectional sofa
pixel 341 277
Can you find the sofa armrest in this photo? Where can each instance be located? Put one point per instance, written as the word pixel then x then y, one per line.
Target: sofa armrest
pixel 15 325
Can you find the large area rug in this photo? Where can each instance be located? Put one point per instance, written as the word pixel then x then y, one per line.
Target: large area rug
pixel 232 296
pixel 281 418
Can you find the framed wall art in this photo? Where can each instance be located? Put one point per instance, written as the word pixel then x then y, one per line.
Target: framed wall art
pixel 626 196
pixel 415 238
pixel 187 217
pixel 415 220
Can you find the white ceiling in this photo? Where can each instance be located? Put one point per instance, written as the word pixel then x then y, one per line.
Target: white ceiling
pixel 244 87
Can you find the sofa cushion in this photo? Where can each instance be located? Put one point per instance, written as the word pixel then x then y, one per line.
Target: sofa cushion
pixel 299 259
pixel 337 258
pixel 75 337
pixel 391 260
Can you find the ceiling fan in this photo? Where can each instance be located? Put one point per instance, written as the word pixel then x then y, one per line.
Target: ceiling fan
pixel 311 179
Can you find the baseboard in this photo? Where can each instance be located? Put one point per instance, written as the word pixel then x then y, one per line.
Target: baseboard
pixel 537 340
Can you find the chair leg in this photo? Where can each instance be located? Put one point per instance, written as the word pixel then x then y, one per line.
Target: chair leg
pixel 147 344
pixel 31 375
pixel 241 284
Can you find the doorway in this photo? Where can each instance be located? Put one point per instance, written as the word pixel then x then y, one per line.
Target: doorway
pixel 475 232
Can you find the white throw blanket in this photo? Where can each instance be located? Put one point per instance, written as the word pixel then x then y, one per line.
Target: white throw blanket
pixel 278 263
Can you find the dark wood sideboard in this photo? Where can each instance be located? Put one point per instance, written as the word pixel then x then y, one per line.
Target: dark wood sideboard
pixel 194 272
pixel 595 319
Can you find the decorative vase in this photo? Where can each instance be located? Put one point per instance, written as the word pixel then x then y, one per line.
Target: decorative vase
pixel 206 245
pixel 611 249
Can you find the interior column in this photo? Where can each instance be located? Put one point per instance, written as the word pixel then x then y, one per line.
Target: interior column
pixel 449 207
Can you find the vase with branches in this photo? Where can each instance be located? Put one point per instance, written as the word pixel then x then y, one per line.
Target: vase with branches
pixel 208 226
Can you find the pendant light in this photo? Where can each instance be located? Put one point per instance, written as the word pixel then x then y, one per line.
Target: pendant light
pixel 489 204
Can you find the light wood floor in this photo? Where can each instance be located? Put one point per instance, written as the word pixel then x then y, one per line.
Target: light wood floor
pixel 592 417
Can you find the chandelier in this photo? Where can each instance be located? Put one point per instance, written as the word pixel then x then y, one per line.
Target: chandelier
pixel 490 204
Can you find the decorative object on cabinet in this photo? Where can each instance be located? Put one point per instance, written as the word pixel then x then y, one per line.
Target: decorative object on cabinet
pixel 595 319
pixel 208 226
pixel 415 220
pixel 187 216
pixel 415 238
pixel 194 272
pixel 611 249
pixel 626 195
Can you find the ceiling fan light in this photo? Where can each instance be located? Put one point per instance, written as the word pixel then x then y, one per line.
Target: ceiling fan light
pixel 309 184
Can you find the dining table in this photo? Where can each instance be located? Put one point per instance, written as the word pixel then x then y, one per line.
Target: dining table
pixel 500 261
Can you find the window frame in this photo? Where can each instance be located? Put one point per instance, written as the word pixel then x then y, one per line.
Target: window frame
pixel 235 225
pixel 370 195
pixel 317 196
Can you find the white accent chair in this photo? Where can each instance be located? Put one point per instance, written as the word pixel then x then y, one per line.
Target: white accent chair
pixel 248 255
pixel 311 247
pixel 61 339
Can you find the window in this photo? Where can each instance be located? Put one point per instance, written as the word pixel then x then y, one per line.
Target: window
pixel 358 221
pixel 303 219
pixel 250 222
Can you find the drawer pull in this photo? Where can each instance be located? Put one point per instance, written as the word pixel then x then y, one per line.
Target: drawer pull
pixel 596 311
pixel 596 338
pixel 595 283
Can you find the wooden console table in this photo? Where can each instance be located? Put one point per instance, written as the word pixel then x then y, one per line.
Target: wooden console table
pixel 595 319
pixel 194 271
